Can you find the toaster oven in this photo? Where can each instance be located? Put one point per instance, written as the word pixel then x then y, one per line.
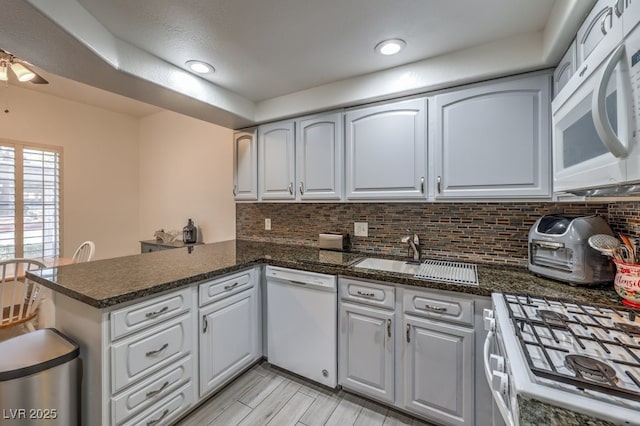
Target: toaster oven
pixel 559 249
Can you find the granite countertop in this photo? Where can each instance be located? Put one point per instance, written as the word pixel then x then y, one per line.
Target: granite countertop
pixel 105 283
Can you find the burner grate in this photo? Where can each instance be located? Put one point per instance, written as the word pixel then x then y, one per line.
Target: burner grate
pixel 544 326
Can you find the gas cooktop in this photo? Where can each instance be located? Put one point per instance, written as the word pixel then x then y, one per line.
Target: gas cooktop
pixel 587 347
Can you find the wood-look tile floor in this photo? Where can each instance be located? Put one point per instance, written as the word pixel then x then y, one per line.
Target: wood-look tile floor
pixel 265 395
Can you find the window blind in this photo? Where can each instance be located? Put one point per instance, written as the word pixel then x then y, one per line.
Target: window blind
pixel 29 201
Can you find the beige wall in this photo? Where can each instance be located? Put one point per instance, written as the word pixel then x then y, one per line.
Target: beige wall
pixel 100 165
pixel 186 171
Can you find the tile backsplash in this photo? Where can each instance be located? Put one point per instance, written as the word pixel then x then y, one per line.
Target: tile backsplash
pixel 479 232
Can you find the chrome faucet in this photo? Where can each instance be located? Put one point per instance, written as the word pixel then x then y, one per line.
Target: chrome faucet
pixel 414 245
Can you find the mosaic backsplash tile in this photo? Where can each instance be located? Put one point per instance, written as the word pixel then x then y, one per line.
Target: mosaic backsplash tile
pixel 479 232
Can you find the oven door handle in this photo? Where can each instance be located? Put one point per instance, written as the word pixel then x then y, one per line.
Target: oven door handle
pixel 497 396
pixel 614 143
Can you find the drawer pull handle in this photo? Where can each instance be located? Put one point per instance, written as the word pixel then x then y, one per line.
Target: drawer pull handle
pixel 159 419
pixel 362 293
pixel 231 286
pixel 205 324
pixel 435 308
pixel 389 327
pixel 156 313
pixel 290 188
pixel 301 188
pixel 157 391
pixel 408 333
pixel 235 190
pixel 157 351
pixel 422 185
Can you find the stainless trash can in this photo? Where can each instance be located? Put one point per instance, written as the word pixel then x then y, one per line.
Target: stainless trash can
pixel 39 380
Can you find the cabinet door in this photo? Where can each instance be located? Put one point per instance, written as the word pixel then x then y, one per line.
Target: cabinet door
pixel 245 165
pixel 494 140
pixel 600 31
pixel 319 157
pixel 565 69
pixel 229 338
pixel 438 371
pixel 366 351
pixel 385 151
pixel 276 161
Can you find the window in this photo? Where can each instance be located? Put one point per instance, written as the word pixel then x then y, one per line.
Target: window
pixel 29 200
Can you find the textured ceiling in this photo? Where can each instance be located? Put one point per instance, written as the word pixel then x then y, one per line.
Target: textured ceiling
pixel 283 58
pixel 267 48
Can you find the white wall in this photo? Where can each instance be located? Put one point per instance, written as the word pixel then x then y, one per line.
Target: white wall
pixel 100 165
pixel 186 171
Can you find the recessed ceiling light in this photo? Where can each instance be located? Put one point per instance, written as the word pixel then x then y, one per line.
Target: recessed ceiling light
pixel 200 67
pixel 390 47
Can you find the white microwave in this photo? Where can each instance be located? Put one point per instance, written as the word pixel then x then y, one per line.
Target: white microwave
pixel 596 116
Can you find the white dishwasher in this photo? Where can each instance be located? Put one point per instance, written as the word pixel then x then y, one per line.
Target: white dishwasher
pixel 302 323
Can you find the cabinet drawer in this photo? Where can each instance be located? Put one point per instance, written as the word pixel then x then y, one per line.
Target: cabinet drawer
pixel 440 306
pixel 366 292
pixel 151 390
pixel 212 291
pixel 150 312
pixel 141 354
pixel 167 410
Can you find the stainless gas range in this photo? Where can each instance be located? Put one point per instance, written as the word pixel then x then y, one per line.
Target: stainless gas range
pixel 579 357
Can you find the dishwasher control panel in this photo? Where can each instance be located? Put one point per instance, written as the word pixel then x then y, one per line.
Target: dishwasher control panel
pixel 296 277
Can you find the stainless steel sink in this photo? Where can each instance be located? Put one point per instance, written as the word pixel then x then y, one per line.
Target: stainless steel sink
pixel 433 270
pixel 399 266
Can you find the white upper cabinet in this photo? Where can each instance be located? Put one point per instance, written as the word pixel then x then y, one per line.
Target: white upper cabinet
pixel 493 140
pixel 320 157
pixel 565 69
pixel 245 164
pixel 386 151
pixel 600 31
pixel 276 161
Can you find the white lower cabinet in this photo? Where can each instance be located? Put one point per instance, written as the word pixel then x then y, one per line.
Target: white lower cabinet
pixel 367 360
pixel 230 328
pixel 438 370
pixel 412 349
pixel 151 351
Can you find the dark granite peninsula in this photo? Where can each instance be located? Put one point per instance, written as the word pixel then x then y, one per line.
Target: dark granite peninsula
pixel 139 319
pixel 109 282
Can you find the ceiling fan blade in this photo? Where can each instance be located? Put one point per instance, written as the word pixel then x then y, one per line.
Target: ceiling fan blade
pixel 38 79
